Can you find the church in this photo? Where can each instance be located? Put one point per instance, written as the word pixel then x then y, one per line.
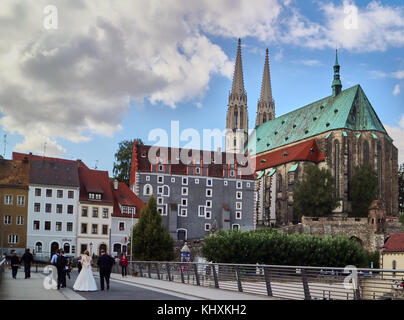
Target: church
pixel 337 133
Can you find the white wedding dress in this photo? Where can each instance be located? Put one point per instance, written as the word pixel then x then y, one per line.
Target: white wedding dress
pixel 85 281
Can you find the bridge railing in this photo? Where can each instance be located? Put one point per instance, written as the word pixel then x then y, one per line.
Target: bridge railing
pixel 287 282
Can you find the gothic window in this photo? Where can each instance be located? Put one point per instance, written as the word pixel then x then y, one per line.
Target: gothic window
pixel 279 183
pixel 241 119
pixel 365 152
pixel 235 118
pixel 349 169
pixel 336 168
pixel 264 119
pixel 379 169
pixel 235 142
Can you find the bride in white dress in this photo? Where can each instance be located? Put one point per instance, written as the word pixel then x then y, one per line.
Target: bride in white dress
pixel 85 281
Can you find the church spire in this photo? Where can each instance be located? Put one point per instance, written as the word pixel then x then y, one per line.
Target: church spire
pixel 238 80
pixel 336 84
pixel 266 105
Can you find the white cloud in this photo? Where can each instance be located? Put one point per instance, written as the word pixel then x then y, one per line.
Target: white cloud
pixel 396 90
pixel 309 62
pixel 397 134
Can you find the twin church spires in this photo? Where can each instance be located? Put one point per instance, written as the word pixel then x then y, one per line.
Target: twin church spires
pixel 237 112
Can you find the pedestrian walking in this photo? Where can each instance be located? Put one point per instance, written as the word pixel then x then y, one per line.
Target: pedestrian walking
pixel 105 263
pixel 15 263
pixel 124 265
pixel 27 258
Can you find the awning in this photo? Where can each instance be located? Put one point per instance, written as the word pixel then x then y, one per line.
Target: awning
pixel 293 168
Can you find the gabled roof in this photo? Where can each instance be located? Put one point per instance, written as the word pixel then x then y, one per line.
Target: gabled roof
pixel 125 197
pixel 395 243
pixel 305 151
pixel 57 173
pixel 29 156
pixel 94 181
pixel 348 110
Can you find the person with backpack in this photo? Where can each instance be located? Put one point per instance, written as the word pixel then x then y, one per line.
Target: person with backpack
pixel 61 263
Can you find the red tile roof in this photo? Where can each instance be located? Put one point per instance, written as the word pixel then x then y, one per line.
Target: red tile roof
pixel 125 197
pixel 29 156
pixel 94 181
pixel 395 243
pixel 305 151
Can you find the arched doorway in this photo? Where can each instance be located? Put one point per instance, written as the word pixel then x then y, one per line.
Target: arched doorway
pixel 103 246
pixel 54 248
pixel 357 240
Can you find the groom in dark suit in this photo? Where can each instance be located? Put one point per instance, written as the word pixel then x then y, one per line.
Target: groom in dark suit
pixel 105 263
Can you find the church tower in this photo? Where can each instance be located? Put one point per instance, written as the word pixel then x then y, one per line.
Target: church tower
pixel 336 84
pixel 237 113
pixel 266 105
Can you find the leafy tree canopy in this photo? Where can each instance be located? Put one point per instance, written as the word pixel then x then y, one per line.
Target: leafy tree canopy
pixel 123 159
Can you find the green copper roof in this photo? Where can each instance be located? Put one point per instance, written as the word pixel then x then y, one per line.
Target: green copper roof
pixel 350 109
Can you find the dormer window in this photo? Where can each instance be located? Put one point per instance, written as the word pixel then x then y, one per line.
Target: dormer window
pixel 94 196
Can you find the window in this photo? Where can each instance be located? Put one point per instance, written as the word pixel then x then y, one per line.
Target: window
pixel 73 249
pixel 66 248
pixel 84 228
pixel 162 210
pixel 132 210
pixel 105 213
pixel 8 199
pixel 239 195
pixel 208 203
pixel 49 193
pixel 84 211
pixel 59 193
pixel 83 248
pixel 239 185
pixel 235 227
pixel 20 220
pixel 208 214
pixel 336 169
pixel 238 214
pixel 13 239
pixel 159 200
pixel 70 209
pixel 201 211
pixel 185 181
pixel 160 190
pixel 147 178
pixel 94 229
pixel 239 205
pixel 37 192
pixel 105 229
pixel 69 226
pixel 160 179
pixel 209 192
pixel 121 226
pixel 58 226
pixel 365 152
pixel 125 209
pixel 47 225
pixel 59 208
pixel 184 202
pixel 231 173
pixel 95 212
pixel 7 219
pixel 182 234
pixel 196 181
pixel 184 191
pixel 147 190
pixel 197 170
pixel 37 207
pixel 225 183
pixel 209 182
pixel 207 226
pixel 70 194
pixel 172 180
pixel 91 196
pixel 248 184
pixel 20 201
pixel 48 208
pixel 235 142
pixel 36 225
pixel 38 247
pixel 183 212
pixel 98 196
pixel 161 167
pixel 166 191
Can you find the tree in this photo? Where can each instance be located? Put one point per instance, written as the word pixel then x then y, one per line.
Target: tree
pixel 314 195
pixel 123 160
pixel 151 241
pixel 363 189
pixel 401 189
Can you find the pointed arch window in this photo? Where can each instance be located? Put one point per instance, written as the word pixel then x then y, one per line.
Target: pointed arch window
pixel 365 152
pixel 241 119
pixel 235 118
pixel 264 119
pixel 336 168
pixel 379 169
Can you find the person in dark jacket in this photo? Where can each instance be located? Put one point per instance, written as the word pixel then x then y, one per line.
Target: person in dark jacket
pixel 105 263
pixel 61 263
pixel 124 265
pixel 15 263
pixel 27 258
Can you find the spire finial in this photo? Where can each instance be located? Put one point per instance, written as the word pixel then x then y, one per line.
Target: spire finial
pixel 238 81
pixel 336 84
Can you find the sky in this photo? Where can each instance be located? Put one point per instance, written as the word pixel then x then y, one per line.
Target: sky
pixel 79 76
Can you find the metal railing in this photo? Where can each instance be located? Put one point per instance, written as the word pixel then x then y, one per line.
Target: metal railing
pixel 2 269
pixel 287 282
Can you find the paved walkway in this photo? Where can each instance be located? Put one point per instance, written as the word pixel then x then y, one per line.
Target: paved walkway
pixel 33 289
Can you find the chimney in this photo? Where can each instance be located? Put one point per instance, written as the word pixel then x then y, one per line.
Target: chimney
pixel 115 184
